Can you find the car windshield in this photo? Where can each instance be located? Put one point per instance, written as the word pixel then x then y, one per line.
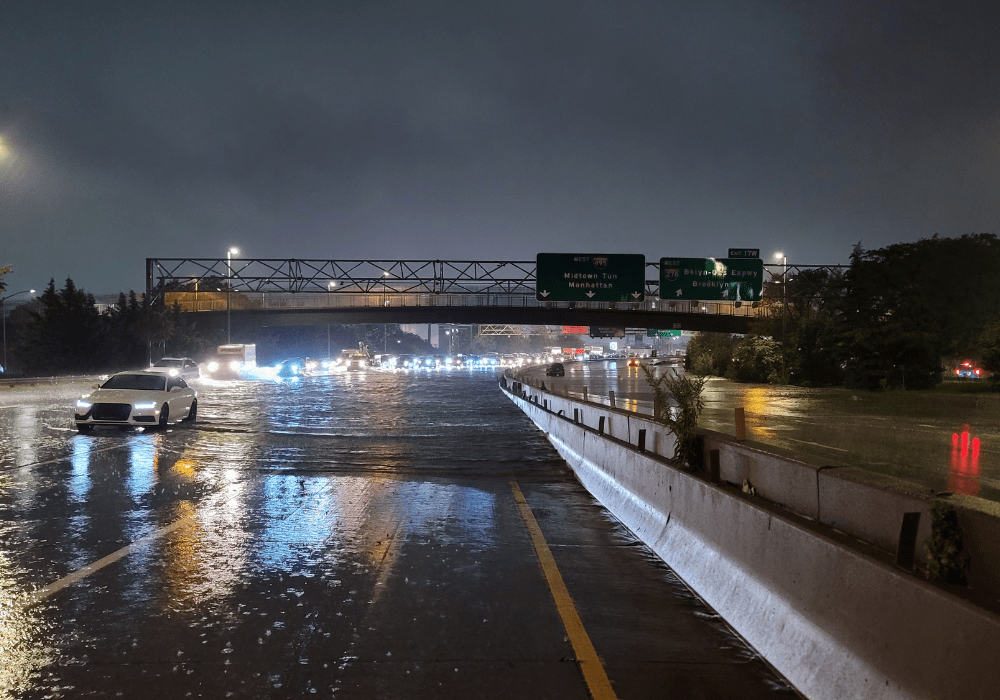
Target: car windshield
pixel 138 382
pixel 165 362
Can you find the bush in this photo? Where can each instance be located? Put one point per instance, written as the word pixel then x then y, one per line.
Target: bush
pixel 757 359
pixel 682 418
pixel 946 559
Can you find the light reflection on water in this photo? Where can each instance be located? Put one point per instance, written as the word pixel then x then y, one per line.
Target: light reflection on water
pixel 142 460
pixel 910 435
pixel 963 476
pixel 27 426
pixel 334 474
pixel 78 484
pixel 24 647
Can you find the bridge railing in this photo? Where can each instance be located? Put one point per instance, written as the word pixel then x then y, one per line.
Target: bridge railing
pixel 272 301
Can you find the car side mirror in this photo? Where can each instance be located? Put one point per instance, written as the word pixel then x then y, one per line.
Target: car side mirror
pixel 175 387
pixel 95 386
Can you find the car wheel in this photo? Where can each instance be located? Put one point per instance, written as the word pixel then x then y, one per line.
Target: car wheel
pixel 84 428
pixel 193 413
pixel 164 416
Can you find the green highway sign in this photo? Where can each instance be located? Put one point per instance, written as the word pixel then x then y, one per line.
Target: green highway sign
pixel 580 277
pixel 654 333
pixel 605 332
pixel 708 279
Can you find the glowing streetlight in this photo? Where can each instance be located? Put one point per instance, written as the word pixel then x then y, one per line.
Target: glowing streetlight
pixel 784 307
pixel 229 290
pixel 3 311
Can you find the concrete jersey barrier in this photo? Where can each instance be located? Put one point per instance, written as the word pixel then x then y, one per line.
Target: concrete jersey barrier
pixel 832 613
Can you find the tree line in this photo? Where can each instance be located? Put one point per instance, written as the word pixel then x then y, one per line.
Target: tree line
pixel 899 317
pixel 64 331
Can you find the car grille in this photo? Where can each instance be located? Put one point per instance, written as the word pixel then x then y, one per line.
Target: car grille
pixel 111 411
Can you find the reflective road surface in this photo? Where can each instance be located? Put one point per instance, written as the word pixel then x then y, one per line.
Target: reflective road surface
pixel 356 536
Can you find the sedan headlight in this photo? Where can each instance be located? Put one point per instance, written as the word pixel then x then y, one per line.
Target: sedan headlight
pixel 234 365
pixel 213 366
pixel 145 405
pixel 82 405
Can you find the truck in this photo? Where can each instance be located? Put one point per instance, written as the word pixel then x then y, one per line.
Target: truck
pixel 230 360
pixel 359 359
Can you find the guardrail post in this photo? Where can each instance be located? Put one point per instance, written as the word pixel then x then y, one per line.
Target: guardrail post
pixel 576 415
pixel 584 393
pixel 611 395
pixel 741 423
pixel 546 404
pixel 907 540
pixel 714 466
pixel 642 440
pixel 542 387
pixel 600 425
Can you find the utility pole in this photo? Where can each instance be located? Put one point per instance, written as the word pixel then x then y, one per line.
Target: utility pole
pixel 3 311
pixel 229 291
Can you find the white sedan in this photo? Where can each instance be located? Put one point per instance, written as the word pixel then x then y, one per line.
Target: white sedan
pixel 137 398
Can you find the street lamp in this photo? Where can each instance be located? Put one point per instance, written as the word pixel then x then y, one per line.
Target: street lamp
pixel 784 281
pixel 229 290
pixel 3 311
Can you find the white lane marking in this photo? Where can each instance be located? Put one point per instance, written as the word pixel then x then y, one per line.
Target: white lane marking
pixel 11 467
pixel 82 573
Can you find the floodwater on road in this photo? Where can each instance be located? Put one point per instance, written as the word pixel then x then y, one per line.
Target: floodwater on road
pixel 361 535
pixel 937 440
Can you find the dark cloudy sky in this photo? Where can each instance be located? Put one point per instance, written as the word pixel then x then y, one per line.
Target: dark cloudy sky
pixel 427 129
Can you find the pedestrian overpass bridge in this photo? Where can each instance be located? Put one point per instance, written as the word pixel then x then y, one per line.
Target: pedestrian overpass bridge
pixel 293 292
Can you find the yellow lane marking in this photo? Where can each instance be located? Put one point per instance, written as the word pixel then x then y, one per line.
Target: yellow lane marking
pixel 82 573
pixel 586 655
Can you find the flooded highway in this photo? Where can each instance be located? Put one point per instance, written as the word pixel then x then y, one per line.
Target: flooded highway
pixel 361 535
pixel 940 440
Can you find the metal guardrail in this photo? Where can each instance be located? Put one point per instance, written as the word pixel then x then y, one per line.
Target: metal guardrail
pixel 33 381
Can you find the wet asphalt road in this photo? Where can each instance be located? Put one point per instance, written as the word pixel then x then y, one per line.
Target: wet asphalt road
pixel 353 536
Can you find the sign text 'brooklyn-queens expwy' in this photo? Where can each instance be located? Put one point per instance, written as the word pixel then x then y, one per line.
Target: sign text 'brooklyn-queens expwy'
pixel 585 277
pixel 708 279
